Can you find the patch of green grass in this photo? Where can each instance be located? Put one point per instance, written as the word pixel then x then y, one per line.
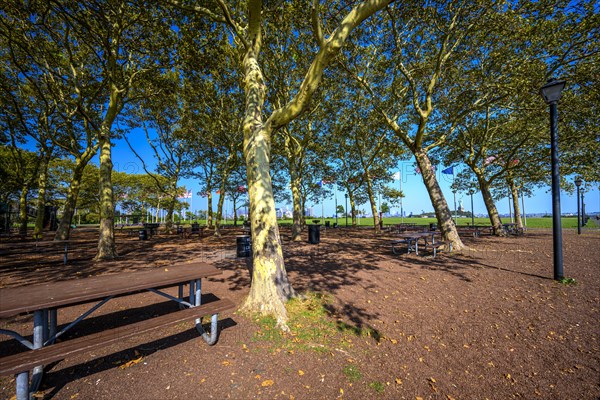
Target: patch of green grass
pixel 377 387
pixel 312 327
pixel 568 281
pixel 268 331
pixel 532 222
pixel 352 373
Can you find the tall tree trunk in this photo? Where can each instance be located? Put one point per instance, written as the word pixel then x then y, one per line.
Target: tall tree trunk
pixel 106 241
pixel 373 202
pixel 38 230
pixel 209 210
pixel 488 200
pixel 440 206
pixel 107 249
pixel 270 285
pixel 220 208
pixel 297 207
pixel 515 202
pixel 353 209
pixel 23 217
pixel 235 217
pixel 64 228
pixel 169 217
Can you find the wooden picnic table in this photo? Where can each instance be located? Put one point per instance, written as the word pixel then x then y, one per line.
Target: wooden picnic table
pixel 46 298
pixel 411 239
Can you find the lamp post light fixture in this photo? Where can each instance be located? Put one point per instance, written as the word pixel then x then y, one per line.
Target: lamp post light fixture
pixel 551 92
pixel 346 208
pixel 578 182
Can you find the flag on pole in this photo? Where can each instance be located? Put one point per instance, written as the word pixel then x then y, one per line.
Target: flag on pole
pixel 187 195
pixel 397 176
pixel 448 171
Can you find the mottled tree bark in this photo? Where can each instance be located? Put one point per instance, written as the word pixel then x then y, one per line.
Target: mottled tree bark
pixel 107 248
pixel 490 206
pixel 270 285
pixel 64 227
pixel 23 217
pixel 220 208
pixel 298 215
pixel 373 202
pixel 209 210
pixel 442 211
pixel 41 200
pixel 514 191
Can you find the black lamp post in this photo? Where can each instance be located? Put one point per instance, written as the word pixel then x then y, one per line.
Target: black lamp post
pixel 551 93
pixel 578 182
pixel 346 195
pixel 583 219
pixel 472 192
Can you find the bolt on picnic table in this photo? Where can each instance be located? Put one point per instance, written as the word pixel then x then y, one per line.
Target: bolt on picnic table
pixel 45 299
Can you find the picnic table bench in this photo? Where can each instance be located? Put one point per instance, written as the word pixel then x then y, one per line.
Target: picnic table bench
pixel 513 229
pixel 475 232
pixel 411 242
pixel 45 299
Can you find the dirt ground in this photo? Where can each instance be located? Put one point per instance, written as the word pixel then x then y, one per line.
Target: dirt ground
pixel 488 323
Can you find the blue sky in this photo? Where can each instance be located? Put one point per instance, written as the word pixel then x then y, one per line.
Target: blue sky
pixel 416 197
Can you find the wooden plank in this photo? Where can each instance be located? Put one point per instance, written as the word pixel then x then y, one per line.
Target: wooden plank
pixel 29 298
pixel 26 361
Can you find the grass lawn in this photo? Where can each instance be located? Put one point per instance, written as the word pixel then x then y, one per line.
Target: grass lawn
pixel 567 222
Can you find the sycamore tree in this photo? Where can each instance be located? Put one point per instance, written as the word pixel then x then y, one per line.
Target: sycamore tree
pixel 30 118
pixel 505 143
pixel 361 138
pixel 110 46
pixel 270 284
pixel 210 102
pixel 408 73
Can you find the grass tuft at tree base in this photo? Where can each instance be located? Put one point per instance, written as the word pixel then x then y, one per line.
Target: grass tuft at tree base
pixel 312 327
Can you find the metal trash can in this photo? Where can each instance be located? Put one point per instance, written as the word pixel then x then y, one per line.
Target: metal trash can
pixel 195 228
pixel 244 246
pixel 314 234
pixel 432 227
pixel 143 234
pixel 327 224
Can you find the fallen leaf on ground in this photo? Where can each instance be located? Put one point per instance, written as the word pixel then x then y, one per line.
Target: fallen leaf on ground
pixel 268 382
pixel 132 362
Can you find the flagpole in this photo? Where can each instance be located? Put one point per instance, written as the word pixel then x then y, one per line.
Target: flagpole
pixel 453 182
